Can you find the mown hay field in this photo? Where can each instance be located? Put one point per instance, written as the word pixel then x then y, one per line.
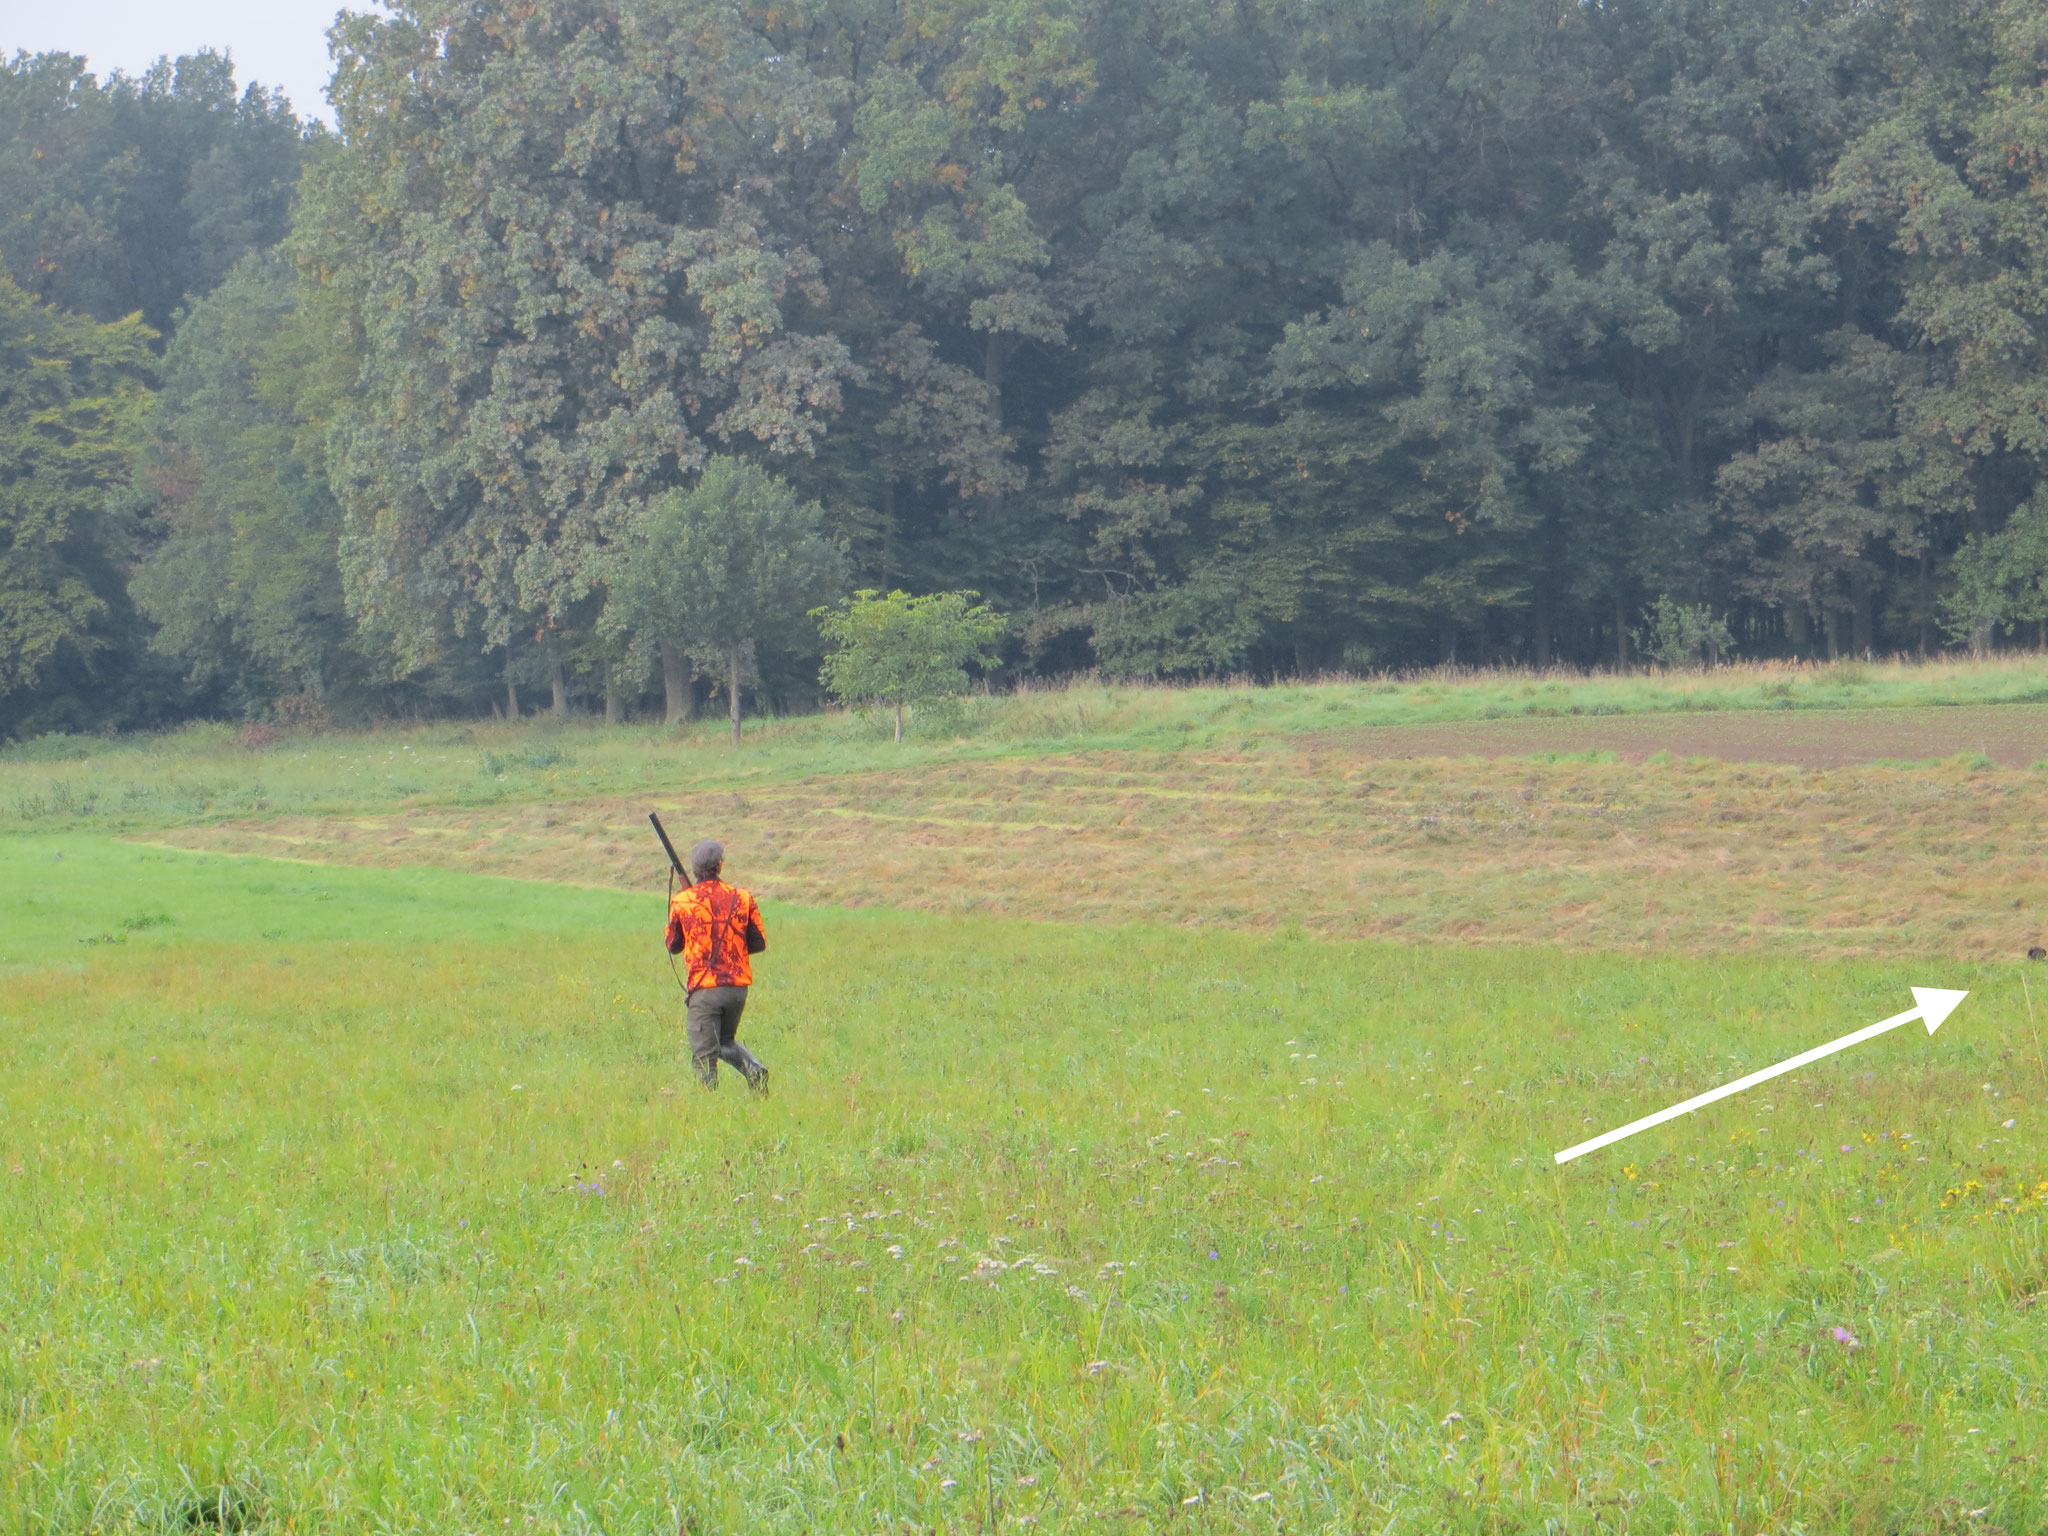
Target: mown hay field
pixel 1129 1166
pixel 1588 851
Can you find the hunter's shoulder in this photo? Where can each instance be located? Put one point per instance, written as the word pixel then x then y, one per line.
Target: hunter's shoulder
pixel 742 899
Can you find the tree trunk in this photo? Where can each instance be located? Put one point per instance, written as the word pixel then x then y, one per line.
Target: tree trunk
pixel 1862 615
pixel 511 688
pixel 888 531
pixel 1831 621
pixel 734 658
pixel 560 682
pixel 675 683
pixel 1926 597
pixel 1798 629
pixel 899 721
pixel 1540 622
pixel 611 693
pixel 993 354
pixel 1620 634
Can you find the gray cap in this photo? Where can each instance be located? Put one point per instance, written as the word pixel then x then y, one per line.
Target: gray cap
pixel 709 854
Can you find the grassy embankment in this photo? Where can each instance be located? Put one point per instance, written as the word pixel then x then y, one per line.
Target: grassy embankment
pixel 357 1193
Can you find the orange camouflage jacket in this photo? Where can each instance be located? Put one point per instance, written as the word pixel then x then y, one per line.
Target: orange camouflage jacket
pixel 715 927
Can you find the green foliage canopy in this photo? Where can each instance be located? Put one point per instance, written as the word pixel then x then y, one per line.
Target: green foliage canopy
pixel 1201 340
pixel 2001 578
pixel 135 193
pixel 567 234
pixel 71 392
pixel 239 573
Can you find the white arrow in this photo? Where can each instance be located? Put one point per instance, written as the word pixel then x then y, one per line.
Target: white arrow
pixel 1930 1003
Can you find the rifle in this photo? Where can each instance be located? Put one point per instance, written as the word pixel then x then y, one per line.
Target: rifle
pixel 670 849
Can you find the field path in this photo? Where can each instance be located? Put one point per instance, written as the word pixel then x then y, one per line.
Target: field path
pixel 1938 860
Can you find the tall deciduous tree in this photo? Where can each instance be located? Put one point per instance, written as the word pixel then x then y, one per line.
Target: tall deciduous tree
pixel 1837 488
pixel 1951 177
pixel 567 233
pixel 240 574
pixel 71 393
pixel 139 192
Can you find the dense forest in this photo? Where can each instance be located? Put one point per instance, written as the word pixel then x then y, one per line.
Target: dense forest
pixel 1196 336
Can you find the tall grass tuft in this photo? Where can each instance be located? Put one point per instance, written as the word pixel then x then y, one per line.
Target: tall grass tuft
pixel 527 759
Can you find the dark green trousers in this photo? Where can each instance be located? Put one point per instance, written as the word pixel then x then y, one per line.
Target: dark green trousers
pixel 711 1020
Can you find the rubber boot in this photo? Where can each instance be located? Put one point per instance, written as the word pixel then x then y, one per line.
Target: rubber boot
pixel 746 1063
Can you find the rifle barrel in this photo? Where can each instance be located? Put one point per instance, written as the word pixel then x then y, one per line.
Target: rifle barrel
pixel 670 848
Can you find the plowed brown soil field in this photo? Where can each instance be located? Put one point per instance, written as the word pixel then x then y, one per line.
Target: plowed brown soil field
pixel 2013 735
pixel 1317 832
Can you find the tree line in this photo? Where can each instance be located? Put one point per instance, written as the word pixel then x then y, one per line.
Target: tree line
pixel 1195 336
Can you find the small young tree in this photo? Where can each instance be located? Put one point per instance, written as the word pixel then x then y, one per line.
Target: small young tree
pixel 2002 578
pixel 1679 634
pixel 715 568
pixel 1978 602
pixel 901 650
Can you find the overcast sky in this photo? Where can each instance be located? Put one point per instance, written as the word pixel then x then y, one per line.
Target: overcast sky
pixel 281 43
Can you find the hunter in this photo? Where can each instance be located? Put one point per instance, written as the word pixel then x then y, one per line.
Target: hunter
pixel 717 930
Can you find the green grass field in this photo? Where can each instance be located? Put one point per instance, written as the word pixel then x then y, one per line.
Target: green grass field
pixel 339 1199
